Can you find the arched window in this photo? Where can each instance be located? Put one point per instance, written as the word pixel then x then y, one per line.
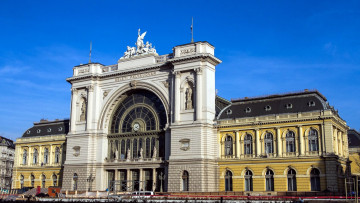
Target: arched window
pixel 21 181
pixel 248 144
pixel 291 176
pixel 32 179
pixel 35 156
pixel 313 140
pixel 269 177
pixel 228 181
pixel 269 145
pixel 54 177
pixel 147 148
pixel 290 141
pixel 185 181
pixel 57 155
pixel 75 181
pixel 248 181
pixel 43 181
pixel 315 179
pixel 228 145
pixel 123 150
pixel 46 155
pixel 135 150
pixel 24 157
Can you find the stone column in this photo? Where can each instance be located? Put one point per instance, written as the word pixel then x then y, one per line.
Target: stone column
pixel 237 144
pixel 177 96
pixel 279 143
pixel 198 93
pixel 116 177
pixel 154 179
pixel 301 146
pixel 336 142
pixel 128 179
pixel 89 106
pixel 141 185
pixel 258 145
pixel 51 155
pixel 340 143
pixel 73 109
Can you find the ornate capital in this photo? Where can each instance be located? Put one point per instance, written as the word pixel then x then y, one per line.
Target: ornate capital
pixel 177 73
pixel 90 88
pixel 198 70
pixel 74 90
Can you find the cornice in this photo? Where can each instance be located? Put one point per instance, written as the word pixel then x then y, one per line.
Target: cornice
pixel 211 58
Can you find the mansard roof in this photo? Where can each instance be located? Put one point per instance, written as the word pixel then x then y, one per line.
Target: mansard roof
pixel 295 102
pixel 220 104
pixel 354 138
pixel 7 142
pixel 48 128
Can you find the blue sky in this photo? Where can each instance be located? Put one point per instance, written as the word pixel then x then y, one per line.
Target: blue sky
pixel 267 47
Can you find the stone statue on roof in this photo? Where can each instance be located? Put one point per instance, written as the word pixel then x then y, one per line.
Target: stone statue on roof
pixel 140 49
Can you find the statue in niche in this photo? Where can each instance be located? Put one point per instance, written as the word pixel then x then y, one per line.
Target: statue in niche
pixel 141 153
pixel 155 152
pixel 189 102
pixel 116 156
pixel 128 154
pixel 83 110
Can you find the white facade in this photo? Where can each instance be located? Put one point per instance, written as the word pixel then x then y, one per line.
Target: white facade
pixel 184 140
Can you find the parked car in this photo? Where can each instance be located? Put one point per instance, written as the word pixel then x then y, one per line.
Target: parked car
pixel 142 194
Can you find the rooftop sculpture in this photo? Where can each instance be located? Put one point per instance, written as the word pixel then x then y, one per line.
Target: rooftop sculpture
pixel 140 49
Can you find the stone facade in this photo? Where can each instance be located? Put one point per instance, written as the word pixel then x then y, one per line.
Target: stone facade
pixel 7 149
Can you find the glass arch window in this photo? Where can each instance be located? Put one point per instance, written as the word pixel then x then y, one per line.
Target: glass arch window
pixel 32 179
pixel 43 181
pixel 22 181
pixel 35 156
pixel 269 179
pixel 24 157
pixel 313 140
pixel 290 141
pixel 145 106
pixel 269 145
pixel 248 144
pixel 228 181
pixel 54 177
pixel 315 179
pixel 291 176
pixel 75 181
pixel 46 155
pixel 228 146
pixel 185 181
pixel 248 181
pixel 57 155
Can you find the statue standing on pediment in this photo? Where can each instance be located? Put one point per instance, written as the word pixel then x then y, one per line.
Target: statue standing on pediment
pixel 140 43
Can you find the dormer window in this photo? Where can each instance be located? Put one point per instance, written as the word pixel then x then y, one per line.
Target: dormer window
pixel 289 106
pixel 267 108
pixel 49 130
pixel 311 103
pixel 248 110
pixel 38 131
pixel 228 112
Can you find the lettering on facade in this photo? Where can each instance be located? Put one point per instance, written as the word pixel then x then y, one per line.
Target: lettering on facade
pixel 187 51
pixel 84 70
pixel 131 77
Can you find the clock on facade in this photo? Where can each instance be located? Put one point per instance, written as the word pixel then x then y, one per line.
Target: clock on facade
pixel 136 126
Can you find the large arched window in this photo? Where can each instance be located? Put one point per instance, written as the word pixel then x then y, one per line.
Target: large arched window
pixel 43 181
pixel 228 145
pixel 54 177
pixel 46 155
pixel 290 141
pixel 35 156
pixel 57 155
pixel 123 150
pixel 269 179
pixel 32 179
pixel 315 179
pixel 75 181
pixel 21 181
pixel 248 144
pixel 291 176
pixel 24 157
pixel 135 150
pixel 248 181
pixel 139 107
pixel 185 181
pixel 313 140
pixel 269 145
pixel 228 181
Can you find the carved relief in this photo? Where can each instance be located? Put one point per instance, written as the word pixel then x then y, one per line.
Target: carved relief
pixel 83 110
pixel 106 92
